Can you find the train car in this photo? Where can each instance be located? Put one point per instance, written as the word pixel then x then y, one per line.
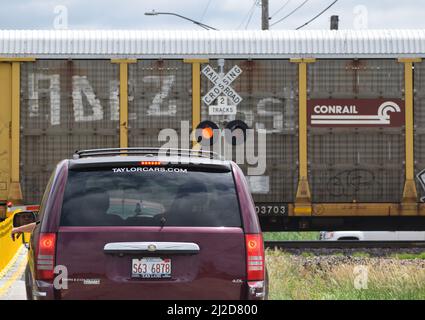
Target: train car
pixel 339 116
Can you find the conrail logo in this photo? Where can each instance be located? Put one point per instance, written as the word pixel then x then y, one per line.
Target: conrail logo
pixel 356 113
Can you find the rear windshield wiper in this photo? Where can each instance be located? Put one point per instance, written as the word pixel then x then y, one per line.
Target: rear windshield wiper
pixel 162 222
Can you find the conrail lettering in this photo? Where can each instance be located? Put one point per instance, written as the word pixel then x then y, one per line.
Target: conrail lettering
pixel 336 109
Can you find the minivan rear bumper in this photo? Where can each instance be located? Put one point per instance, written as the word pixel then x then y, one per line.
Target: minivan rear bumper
pixel 257 290
pixel 46 291
pixel 43 290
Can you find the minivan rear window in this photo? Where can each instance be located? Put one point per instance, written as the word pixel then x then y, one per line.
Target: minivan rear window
pixel 141 196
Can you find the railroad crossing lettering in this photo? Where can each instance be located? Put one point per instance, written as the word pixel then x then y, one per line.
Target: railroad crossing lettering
pixel 222 85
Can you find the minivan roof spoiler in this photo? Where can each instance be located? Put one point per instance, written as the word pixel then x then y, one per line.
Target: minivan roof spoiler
pixel 151 151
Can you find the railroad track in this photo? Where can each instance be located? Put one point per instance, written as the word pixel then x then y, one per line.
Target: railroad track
pixel 346 244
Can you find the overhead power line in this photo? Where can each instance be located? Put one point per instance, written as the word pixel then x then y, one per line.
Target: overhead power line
pixel 205 10
pixel 250 16
pixel 280 9
pixel 318 15
pixel 247 14
pixel 290 13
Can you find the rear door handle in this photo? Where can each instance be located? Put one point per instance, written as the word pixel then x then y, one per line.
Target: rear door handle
pixel 151 247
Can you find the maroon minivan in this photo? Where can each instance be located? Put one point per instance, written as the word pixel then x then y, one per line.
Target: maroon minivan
pixel 130 224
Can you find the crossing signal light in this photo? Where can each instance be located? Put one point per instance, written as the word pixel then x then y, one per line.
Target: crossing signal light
pixel 235 132
pixel 205 133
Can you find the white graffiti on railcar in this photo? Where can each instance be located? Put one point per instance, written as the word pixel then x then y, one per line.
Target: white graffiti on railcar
pixel 165 83
pixel 81 86
pixel 41 85
pixel 53 90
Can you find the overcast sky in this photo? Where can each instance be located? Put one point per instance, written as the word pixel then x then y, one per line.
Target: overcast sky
pixel 221 14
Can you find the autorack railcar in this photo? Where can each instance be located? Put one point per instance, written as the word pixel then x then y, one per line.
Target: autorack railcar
pixel 343 112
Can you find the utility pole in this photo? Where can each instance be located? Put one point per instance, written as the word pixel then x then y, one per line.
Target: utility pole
pixel 265 14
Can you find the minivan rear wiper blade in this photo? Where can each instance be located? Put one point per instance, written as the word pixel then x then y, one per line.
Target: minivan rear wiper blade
pixel 162 221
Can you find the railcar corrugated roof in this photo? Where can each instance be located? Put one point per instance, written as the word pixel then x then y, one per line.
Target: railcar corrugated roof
pixel 224 44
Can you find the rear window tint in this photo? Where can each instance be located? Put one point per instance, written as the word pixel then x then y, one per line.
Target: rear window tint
pixel 159 196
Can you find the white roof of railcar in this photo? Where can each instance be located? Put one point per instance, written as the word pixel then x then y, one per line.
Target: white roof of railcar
pixel 224 44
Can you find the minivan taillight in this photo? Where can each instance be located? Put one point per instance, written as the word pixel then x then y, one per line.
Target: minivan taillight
pixel 46 256
pixel 255 257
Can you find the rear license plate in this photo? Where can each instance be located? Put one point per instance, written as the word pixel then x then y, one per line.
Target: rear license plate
pixel 151 268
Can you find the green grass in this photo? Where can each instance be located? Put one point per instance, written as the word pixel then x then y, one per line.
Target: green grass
pixel 307 254
pixel 301 278
pixel 361 255
pixel 282 236
pixel 409 256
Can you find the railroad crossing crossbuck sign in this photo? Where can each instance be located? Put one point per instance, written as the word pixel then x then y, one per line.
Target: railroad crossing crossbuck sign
pixel 421 178
pixel 222 85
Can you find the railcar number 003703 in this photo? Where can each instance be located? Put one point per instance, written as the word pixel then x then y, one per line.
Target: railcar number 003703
pixel 271 209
